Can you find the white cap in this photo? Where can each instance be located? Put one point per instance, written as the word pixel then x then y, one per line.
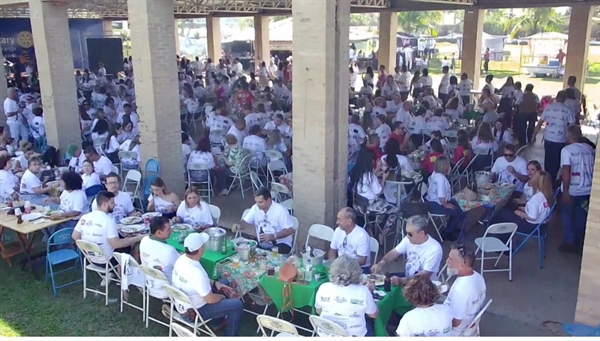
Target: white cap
pixel 195 241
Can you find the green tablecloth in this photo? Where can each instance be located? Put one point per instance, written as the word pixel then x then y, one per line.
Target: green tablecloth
pixel 472 115
pixel 303 295
pixel 209 259
pixel 393 301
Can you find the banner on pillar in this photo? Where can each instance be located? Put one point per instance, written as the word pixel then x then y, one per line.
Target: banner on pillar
pixel 16 40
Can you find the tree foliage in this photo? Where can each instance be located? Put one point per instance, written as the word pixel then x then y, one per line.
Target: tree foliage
pixel 534 20
pixel 420 22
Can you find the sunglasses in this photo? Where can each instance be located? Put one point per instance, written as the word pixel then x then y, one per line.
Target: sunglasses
pixel 509 155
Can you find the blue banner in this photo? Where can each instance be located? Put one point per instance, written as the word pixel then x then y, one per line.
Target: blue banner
pixel 17 41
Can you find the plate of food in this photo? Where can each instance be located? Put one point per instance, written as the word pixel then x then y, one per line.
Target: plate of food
pixel 131 228
pixel 51 212
pixel 181 227
pixel 151 215
pixel 130 220
pixel 379 279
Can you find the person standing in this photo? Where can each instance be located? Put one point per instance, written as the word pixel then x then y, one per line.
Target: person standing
pixel 561 56
pixel 486 60
pixel 17 123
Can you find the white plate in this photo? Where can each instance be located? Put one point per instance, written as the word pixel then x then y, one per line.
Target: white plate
pixel 130 220
pixel 132 228
pixel 379 279
pixel 31 216
pixel 51 212
pixel 151 215
pixel 181 227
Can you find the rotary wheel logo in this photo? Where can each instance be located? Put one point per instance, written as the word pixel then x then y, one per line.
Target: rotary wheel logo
pixel 25 39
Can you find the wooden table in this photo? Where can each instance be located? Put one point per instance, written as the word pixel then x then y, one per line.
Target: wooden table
pixel 25 243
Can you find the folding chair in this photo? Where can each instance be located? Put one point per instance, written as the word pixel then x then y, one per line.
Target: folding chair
pixel 296 226
pixel 456 175
pixel 182 331
pixel 133 177
pixel 61 256
pixel 238 234
pixel 256 183
pixel 538 234
pixel 155 281
pixel 476 320
pixel 127 264
pixel 115 169
pixel 152 166
pixel 275 166
pixel 521 150
pixel 273 155
pixel 215 212
pixel 439 221
pixel 319 231
pixel 284 196
pixel 374 246
pixel 200 167
pixel 200 325
pixel 241 172
pixel 493 244
pixel 216 137
pixel 126 156
pixel 326 327
pixel 93 254
pixel 283 328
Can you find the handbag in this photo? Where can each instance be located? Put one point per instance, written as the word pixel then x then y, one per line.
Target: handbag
pixel 287 274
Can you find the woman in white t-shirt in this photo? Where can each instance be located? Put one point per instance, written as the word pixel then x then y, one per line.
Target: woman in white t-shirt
pixel 427 318
pixel 194 211
pixel 89 177
pixel 202 155
pixel 134 147
pixel 162 200
pixel 464 88
pixel 454 109
pixel 32 188
pixel 263 75
pixel 72 202
pixel 483 142
pixel 345 301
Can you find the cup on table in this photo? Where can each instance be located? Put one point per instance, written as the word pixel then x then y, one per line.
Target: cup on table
pixel 27 207
pixel 262 264
pixel 236 261
pixel 275 251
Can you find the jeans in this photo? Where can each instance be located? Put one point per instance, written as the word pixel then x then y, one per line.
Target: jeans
pixel 232 308
pixel 574 218
pixel 486 66
pixel 18 131
pixel 456 215
pixel 466 99
pixel 223 175
pixel 404 95
pixel 509 216
pixel 444 98
pixel 525 125
pixel 552 157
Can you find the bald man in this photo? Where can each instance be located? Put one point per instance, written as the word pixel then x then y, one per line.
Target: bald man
pixel 350 239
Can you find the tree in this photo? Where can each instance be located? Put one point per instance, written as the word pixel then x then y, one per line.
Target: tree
pixel 364 19
pixel 422 22
pixel 495 22
pixel 185 26
pixel 534 20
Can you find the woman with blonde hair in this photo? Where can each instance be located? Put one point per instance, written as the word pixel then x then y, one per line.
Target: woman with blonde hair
pixel 194 211
pixel 275 142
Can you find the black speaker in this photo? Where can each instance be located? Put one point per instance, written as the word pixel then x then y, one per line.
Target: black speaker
pixel 105 50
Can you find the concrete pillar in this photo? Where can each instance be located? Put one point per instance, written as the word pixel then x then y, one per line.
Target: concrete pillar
pixel 262 43
pixel 213 37
pixel 50 28
pixel 471 44
pixel 580 29
pixel 176 32
pixel 388 28
pixel 152 43
pixel 3 87
pixel 108 28
pixel 320 97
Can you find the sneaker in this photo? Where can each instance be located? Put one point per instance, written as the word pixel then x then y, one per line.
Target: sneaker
pixel 166 310
pixel 110 276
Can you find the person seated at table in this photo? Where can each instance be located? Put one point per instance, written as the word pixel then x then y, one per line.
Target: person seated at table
pixel 533 169
pixel 77 158
pixel 439 197
pixel 102 165
pixel 378 109
pixel 256 144
pixel 429 97
pixel 468 292
pixel 400 135
pixel 9 183
pixel 511 169
pixel 454 109
pixel 389 88
pixel 373 144
pixel 162 200
pixel 438 122
pixel 123 206
pixel 404 115
pixel 194 211
pixel 437 135
pixel 100 227
pixel 238 130
pixel 382 130
pixel 416 127
pixel 502 135
pixel 491 115
pixel 157 254
pixel 355 130
pixel 24 157
pixel 32 188
pixel 132 145
pixel 89 177
pixel 463 149
pixel 395 104
pixel 202 155
pixel 345 301
pixel 272 222
pixel 232 156
pixel 400 164
pixel 275 142
pixel 427 318
pixel 277 123
pixel 428 164
pixel 484 142
pixel 72 201
pixel 350 239
pixel 425 253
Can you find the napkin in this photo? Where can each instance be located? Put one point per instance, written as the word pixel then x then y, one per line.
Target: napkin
pixel 40 221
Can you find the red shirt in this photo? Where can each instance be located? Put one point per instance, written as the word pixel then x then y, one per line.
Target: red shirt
pixel 429 162
pixel 398 138
pixel 377 151
pixel 460 153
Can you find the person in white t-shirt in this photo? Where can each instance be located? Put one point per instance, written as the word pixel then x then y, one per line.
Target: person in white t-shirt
pixel 423 253
pixel 89 177
pixel 355 130
pixel 256 144
pixel 427 318
pixel 77 158
pixel 272 222
pixel 557 117
pixel 207 296
pixel 345 301
pixel 102 165
pixel 577 161
pixel 533 168
pixel 14 116
pixel 279 124
pixel 468 292
pixel 350 239
pixel 403 115
pixel 382 130
pixel 72 202
pixel 511 169
pixel 194 211
pixel 37 126
pixel 238 130
pixel 155 253
pixel 9 183
pixel 201 156
pixel 464 88
pixel 32 188
pixel 123 205
pixel 404 83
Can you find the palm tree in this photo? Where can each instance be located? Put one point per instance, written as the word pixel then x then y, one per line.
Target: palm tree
pixel 422 22
pixel 534 20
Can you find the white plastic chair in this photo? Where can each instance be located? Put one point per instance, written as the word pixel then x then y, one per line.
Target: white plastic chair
pixel 216 137
pixel 319 231
pixel 215 212
pixel 200 325
pixel 276 166
pixel 273 155
pixel 239 233
pixel 115 169
pixel 131 263
pixel 240 173
pixel 296 225
pixel 256 183
pixel 326 326
pixel 155 279
pixel 283 328
pixel 493 244
pixel 374 246
pixel 133 177
pixel 93 252
pixel 476 320
pixel 182 331
pixel 127 155
pixel 200 167
pixel 521 150
pixel 439 221
pixel 284 196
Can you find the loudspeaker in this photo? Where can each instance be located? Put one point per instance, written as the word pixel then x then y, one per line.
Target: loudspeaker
pixel 105 50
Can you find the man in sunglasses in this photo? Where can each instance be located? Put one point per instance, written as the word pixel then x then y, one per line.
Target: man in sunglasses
pixel 511 169
pixel 468 292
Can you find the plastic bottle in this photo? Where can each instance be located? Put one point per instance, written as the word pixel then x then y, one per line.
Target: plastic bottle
pixel 18 213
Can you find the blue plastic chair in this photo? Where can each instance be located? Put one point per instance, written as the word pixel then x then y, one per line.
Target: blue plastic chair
pixel 577 329
pixel 61 256
pixel 152 166
pixel 93 190
pixel 147 189
pixel 541 234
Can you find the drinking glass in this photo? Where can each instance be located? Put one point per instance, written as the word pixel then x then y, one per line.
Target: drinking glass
pixel 275 251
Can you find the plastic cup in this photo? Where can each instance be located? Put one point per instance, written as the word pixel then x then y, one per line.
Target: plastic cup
pixel 275 251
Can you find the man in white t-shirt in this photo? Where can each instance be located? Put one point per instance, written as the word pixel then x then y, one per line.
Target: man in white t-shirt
pixel 77 158
pixel 9 183
pixel 557 117
pixel 14 118
pixel 272 222
pixel 512 169
pixel 279 124
pixel 423 253
pixel 256 144
pixel 102 165
pixel 577 161
pixel 355 130
pixel 468 292
pixel 350 239
pixel 238 130
pixel 123 204
pixel 444 85
pixel 190 277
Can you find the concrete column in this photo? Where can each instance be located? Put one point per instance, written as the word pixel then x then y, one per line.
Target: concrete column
pixel 50 28
pixel 262 43
pixel 3 88
pixel 580 29
pixel 388 28
pixel 213 37
pixel 108 28
pixel 320 97
pixel 176 33
pixel 471 44
pixel 152 43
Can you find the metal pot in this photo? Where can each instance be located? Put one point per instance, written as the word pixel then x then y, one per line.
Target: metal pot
pixel 216 238
pixel 316 258
pixel 245 248
pixel 482 178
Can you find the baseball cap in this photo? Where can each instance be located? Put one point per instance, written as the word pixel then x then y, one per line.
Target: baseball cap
pixel 195 241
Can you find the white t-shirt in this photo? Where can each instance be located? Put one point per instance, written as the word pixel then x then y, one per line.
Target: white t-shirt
pixel 356 244
pixel 252 119
pixel 404 116
pixel 422 257
pixel 504 176
pixel 284 128
pixel 404 81
pixel 38 127
pixel 240 135
pixel 557 117
pixel 445 84
pixel 276 219
pixel 198 215
pixel 580 156
pixel 438 187
pixel 384 131
pixel 369 187
pixel 537 208
pixel 98 227
pixel 345 306
pixel 90 180
pixel 23 162
pixel 29 181
pixel 220 122
pixel 357 133
pixel 465 300
pixel 257 145
pixel 506 136
pixel 417 124
pixel 476 143
pixel 191 278
pixel 464 87
pixel 205 158
pixel 77 162
pixel 528 191
pixel 438 123
pixel 103 166
pixel 431 321
pixel 8 182
pixel 74 201
pixel 11 105
pixel 159 255
pixel 123 206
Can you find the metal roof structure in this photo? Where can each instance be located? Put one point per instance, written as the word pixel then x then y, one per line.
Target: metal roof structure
pixel 117 9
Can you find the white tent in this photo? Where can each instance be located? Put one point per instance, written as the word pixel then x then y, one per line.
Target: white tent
pixel 494 43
